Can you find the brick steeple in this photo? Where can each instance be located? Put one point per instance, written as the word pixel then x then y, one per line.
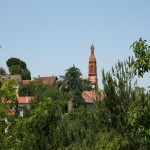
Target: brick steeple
pixel 92 69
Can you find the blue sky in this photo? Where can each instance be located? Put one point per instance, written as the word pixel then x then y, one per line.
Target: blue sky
pixel 52 35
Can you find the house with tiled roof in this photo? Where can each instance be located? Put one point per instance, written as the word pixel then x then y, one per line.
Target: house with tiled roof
pixel 24 101
pixel 91 97
pixel 50 80
pixel 18 78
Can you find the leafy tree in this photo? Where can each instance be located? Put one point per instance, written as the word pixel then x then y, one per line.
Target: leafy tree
pixel 13 61
pixel 86 85
pixel 120 121
pixel 15 70
pixel 85 129
pixel 26 75
pixel 139 117
pixel 35 130
pixel 118 87
pixel 142 55
pixel 103 141
pixel 73 84
pixel 27 89
pixel 8 102
pixel 17 66
pixel 2 71
pixel 23 65
pixel 8 98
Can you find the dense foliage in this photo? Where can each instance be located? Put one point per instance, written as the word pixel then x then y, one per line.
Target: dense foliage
pixel 119 122
pixel 2 71
pixel 8 101
pixel 17 66
pixel 27 89
pixel 142 55
pixel 74 84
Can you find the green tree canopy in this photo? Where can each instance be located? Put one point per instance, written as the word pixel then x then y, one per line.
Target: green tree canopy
pixel 73 83
pixel 35 129
pixel 8 102
pixel 139 112
pixel 119 122
pixel 142 55
pixel 17 66
pixel 139 116
pixel 13 61
pixel 2 71
pixel 26 75
pixel 27 89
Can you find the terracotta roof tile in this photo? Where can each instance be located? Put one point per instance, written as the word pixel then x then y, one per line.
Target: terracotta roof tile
pixel 91 96
pixel 25 99
pixel 26 81
pixel 11 112
pixel 49 80
pixel 17 77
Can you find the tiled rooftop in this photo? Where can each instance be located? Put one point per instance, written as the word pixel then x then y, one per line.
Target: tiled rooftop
pixel 26 81
pixel 25 99
pixel 48 80
pixel 91 96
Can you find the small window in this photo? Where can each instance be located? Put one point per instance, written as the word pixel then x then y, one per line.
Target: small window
pixel 20 109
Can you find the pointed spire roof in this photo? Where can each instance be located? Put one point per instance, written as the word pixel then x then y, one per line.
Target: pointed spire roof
pixel 92 49
pixel 92 57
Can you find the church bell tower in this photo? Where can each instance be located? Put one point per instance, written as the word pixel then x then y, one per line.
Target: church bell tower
pixel 92 70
